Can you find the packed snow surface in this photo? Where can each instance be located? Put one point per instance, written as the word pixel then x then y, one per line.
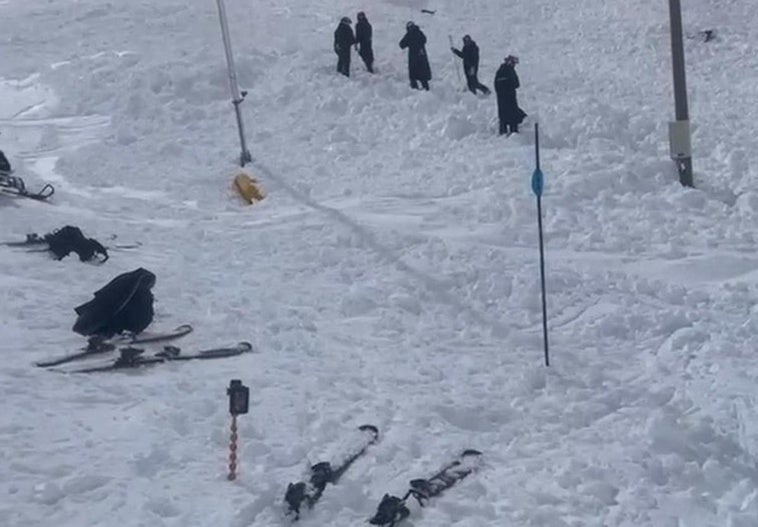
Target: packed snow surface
pixel 391 275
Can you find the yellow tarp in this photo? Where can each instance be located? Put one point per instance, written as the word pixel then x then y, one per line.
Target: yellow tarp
pixel 248 188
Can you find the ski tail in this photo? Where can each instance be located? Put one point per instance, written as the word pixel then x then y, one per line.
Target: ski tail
pixel 307 493
pixel 392 509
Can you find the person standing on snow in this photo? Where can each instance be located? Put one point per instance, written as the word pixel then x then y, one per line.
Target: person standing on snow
pixel 506 84
pixel 363 36
pixel 418 63
pixel 343 41
pixel 470 56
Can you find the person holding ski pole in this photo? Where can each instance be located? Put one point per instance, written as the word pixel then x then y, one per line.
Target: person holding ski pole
pixel 470 55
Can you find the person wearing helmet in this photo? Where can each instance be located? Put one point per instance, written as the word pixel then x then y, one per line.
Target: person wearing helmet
pixel 363 36
pixel 418 63
pixel 343 41
pixel 506 84
pixel 470 55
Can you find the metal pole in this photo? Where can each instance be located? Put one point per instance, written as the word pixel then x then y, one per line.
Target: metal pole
pixel 680 86
pixel 457 71
pixel 237 99
pixel 537 186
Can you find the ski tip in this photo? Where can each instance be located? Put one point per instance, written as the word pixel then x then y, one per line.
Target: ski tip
pixel 370 428
pixel 244 346
pixel 470 452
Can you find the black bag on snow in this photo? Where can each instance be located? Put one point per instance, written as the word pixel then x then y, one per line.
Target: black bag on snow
pixel 70 239
pixel 124 304
pixel 5 165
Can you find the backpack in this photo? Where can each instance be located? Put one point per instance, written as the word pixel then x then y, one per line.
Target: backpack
pixel 123 304
pixel 70 239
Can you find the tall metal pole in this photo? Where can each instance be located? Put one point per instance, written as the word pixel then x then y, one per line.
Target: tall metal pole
pixel 237 99
pixel 679 134
pixel 537 187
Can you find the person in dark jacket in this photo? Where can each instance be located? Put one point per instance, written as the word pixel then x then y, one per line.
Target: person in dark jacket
pixel 418 63
pixel 343 41
pixel 506 84
pixel 5 166
pixel 470 55
pixel 363 36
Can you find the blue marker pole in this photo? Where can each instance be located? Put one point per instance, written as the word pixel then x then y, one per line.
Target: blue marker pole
pixel 538 184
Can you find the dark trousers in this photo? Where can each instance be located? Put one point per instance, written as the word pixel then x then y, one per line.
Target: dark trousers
pixel 343 63
pixel 367 54
pixel 424 84
pixel 509 129
pixel 474 84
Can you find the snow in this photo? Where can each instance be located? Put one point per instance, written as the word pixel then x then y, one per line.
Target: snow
pixel 391 275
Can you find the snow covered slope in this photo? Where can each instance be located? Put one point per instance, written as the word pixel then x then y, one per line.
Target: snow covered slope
pixel 391 275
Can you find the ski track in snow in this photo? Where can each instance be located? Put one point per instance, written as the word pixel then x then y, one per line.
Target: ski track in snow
pixel 391 274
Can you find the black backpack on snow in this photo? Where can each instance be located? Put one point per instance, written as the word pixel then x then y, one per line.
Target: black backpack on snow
pixel 70 239
pixel 124 304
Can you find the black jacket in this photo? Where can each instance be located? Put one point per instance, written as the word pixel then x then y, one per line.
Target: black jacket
pixel 470 56
pixel 418 63
pixel 506 84
pixel 363 33
pixel 343 38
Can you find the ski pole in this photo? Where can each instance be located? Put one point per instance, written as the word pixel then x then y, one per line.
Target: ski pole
pixel 457 70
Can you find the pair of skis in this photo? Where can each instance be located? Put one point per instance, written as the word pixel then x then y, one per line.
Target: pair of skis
pixel 392 510
pixel 97 345
pixel 131 356
pixel 14 186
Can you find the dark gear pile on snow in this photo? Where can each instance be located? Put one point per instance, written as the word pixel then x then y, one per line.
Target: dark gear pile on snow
pixel 5 165
pixel 63 242
pixel 124 304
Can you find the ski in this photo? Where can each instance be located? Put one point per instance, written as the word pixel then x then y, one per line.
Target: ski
pixel 97 345
pixel 31 240
pixel 308 492
pixel 393 510
pixel 35 240
pixel 14 186
pixel 134 357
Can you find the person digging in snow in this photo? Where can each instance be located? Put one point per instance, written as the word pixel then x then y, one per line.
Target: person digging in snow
pixel 470 55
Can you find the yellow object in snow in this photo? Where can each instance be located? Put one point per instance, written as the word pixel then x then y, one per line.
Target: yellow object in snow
pixel 248 188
